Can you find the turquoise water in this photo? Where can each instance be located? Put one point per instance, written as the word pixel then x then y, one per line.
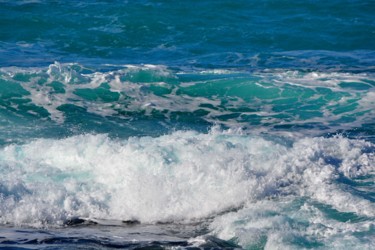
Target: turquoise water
pixel 200 124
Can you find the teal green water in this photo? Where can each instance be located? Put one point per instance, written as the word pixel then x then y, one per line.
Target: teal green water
pixel 69 99
pixel 198 124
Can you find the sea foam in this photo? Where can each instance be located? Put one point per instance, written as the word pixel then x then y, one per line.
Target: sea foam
pixel 182 176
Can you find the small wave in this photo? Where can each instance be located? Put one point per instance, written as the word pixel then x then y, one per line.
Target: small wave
pixel 275 100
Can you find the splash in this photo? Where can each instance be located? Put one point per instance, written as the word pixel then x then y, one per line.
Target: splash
pixel 183 176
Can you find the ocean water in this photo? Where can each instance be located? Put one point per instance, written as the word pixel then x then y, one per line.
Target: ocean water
pixel 187 124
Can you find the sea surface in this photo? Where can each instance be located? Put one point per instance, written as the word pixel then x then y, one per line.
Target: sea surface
pixel 157 124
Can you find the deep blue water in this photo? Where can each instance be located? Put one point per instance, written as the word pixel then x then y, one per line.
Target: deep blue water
pixel 196 124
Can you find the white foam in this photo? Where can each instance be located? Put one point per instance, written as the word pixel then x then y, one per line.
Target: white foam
pixel 72 77
pixel 318 79
pixel 177 177
pixel 286 224
pixel 368 101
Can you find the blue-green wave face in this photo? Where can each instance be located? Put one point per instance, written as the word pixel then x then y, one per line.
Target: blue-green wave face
pixel 151 100
pixel 187 124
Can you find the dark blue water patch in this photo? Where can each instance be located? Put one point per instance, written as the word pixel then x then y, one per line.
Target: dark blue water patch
pixel 205 33
pixel 77 243
pixel 365 131
pixel 110 237
pixel 58 243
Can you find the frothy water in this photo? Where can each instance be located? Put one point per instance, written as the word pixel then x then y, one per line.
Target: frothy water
pixel 207 158
pixel 316 190
pixel 205 125
pixel 131 98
